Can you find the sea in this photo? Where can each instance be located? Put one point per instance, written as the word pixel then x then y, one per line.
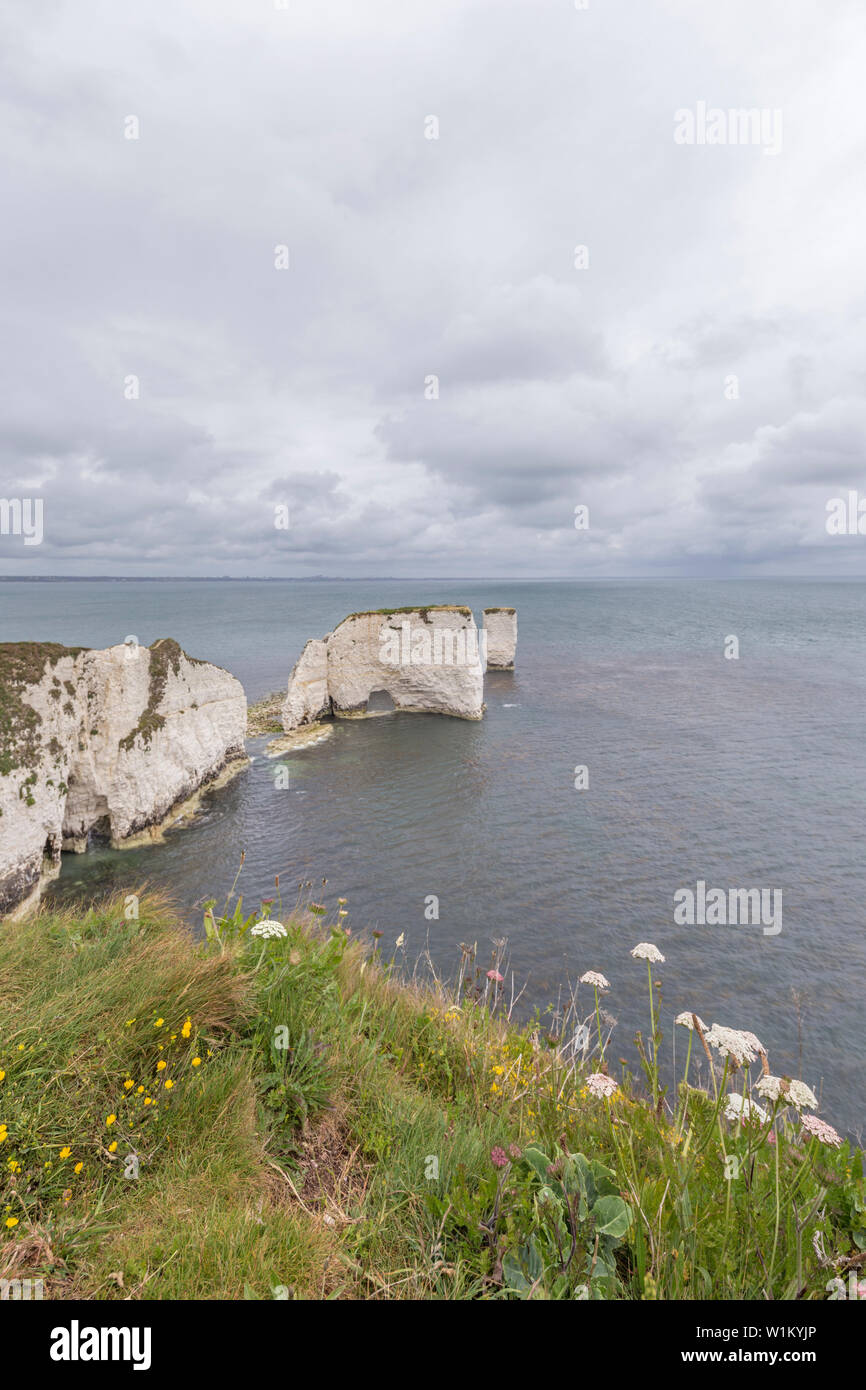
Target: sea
pixel 655 735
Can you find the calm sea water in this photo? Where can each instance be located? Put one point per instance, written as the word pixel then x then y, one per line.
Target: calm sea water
pixel 745 773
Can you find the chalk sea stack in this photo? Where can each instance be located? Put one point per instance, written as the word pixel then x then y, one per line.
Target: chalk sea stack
pixel 103 744
pixel 427 660
pixel 500 624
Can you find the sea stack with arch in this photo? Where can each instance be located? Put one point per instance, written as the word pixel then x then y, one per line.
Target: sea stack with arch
pixel 104 744
pixel 428 660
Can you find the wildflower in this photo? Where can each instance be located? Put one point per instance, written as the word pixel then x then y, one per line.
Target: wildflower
pixel 10 1222
pixel 645 950
pixel 498 1157
pixel 790 1092
pixel 2 1074
pixel 400 939
pixel 594 978
pixel 187 1027
pixel 20 1047
pixel 110 1120
pixel 112 1146
pixel 687 1020
pixel 159 1023
pixel 128 1084
pixel 196 1061
pixel 79 1167
pixel 732 1042
pixel 736 1108
pixel 148 1100
pixel 495 975
pixel 161 1066
pixel 342 901
pixel 65 1151
pixel 823 1132
pixel 139 1090
pixel 168 1085
pixel 266 929
pixel 342 912
pixel 600 1085
pixel 514 1151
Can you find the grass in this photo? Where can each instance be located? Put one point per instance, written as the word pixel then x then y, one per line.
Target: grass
pixel 333 1129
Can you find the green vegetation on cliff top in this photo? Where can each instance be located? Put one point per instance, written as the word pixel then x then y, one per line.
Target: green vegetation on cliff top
pixel 260 1116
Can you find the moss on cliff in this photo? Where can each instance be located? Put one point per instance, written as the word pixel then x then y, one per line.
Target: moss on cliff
pixel 23 664
pixel 412 608
pixel 165 656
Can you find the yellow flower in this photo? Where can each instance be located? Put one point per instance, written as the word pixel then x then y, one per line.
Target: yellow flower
pixel 11 1221
pixel 168 1085
pixel 111 1119
pixel 78 1167
pixel 20 1047
pixel 112 1146
pixel 65 1151
pixel 196 1061
pixel 139 1091
pixel 46 1165
pixel 186 1029
pixel 161 1066
pixel 2 1074
pixel 127 1084
pixel 148 1101
pixel 159 1023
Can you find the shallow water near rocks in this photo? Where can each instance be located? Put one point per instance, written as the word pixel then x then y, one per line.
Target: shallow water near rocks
pixel 745 774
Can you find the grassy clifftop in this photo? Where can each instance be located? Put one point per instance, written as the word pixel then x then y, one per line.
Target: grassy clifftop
pixel 276 1115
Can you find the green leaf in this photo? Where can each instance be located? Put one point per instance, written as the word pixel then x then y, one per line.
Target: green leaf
pixel 612 1217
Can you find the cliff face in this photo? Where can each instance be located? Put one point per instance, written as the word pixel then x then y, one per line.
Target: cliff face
pixel 102 742
pixel 426 659
pixel 500 624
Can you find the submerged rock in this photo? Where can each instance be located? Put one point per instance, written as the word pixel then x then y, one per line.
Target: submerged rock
pixel 103 744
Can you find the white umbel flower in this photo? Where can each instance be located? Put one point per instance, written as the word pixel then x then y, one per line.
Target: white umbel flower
pixel 645 950
pixel 600 1085
pixel 734 1042
pixel 594 977
pixel 687 1020
pixel 268 928
pixel 782 1088
pixel 738 1108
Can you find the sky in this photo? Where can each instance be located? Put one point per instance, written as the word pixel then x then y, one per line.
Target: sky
pixel 298 289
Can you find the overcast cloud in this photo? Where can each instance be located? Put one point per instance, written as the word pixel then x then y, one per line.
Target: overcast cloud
pixel 607 386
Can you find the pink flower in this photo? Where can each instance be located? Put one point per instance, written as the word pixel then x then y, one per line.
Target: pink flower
pixel 823 1132
pixel 495 975
pixel 498 1157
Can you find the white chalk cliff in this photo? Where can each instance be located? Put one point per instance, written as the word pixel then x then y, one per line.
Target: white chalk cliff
pixel 426 659
pixel 500 624
pixel 103 743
